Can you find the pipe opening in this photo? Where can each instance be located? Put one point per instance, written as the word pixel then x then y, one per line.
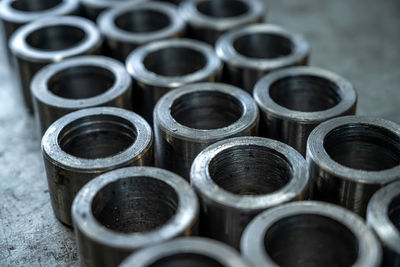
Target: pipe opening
pixel 263 45
pixel 305 93
pixel 186 259
pixel 175 61
pixel 135 204
pixel 81 82
pixel 142 21
pixel 53 38
pixel 311 240
pixel 97 136
pixel 363 147
pixel 250 170
pixel 222 8
pixel 394 212
pixel 33 6
pixel 206 110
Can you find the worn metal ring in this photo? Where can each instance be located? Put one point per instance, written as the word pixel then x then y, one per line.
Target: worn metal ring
pixel 383 215
pixel 255 50
pixel 163 65
pixel 93 8
pixel 85 143
pixel 189 119
pixel 128 26
pixel 310 233
pixel 78 83
pixel 128 209
pixel 295 100
pixel 49 40
pixel 208 19
pixel 190 251
pixel 238 178
pixel 352 157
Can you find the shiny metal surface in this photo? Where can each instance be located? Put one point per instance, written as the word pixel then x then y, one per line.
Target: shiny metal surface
pixel 252 51
pixel 188 119
pixel 49 40
pixel 352 157
pixel 86 143
pixel 184 252
pixel 295 100
pixel 130 25
pixel 128 209
pixel 160 66
pixel 92 8
pixel 78 83
pixel 238 178
pixel 383 215
pixel 208 19
pixel 310 234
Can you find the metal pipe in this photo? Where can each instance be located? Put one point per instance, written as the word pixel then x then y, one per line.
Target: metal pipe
pixel 295 100
pixel 93 8
pixel 351 157
pixel 49 40
pixel 85 143
pixel 238 178
pixel 189 119
pixel 128 209
pixel 255 50
pixel 310 233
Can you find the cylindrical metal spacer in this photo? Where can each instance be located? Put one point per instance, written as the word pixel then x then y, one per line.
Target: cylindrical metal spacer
pixel 93 8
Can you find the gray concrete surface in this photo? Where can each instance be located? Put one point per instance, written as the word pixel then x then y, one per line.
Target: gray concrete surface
pixel 359 39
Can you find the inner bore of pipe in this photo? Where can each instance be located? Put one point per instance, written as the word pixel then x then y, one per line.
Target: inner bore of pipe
pixel 263 45
pixel 305 93
pixel 142 21
pixel 135 204
pixel 33 5
pixel 364 147
pixel 81 82
pixel 175 61
pixel 222 8
pixel 206 110
pixel 54 38
pixel 311 240
pixel 186 259
pixel 394 212
pixel 97 136
pixel 250 170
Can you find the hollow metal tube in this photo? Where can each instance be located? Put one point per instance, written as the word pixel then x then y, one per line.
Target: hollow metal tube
pixel 208 19
pixel 252 51
pixel 351 157
pixel 160 66
pixel 128 209
pixel 190 251
pixel 78 83
pixel 128 26
pixel 49 40
pixel 189 119
pixel 93 8
pixel 383 215
pixel 85 143
pixel 310 233
pixel 295 100
pixel 240 177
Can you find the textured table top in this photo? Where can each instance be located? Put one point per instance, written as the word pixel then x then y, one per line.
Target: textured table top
pixel 357 39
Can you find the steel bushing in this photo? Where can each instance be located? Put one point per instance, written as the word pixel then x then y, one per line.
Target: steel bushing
pixel 189 119
pixel 86 143
pixel 93 8
pixel 352 157
pixel 310 233
pixel 128 209
pixel 163 65
pixel 128 26
pixel 78 83
pixel 208 19
pixel 240 177
pixel 49 40
pixel 183 252
pixel 383 215
pixel 295 100
pixel 255 50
